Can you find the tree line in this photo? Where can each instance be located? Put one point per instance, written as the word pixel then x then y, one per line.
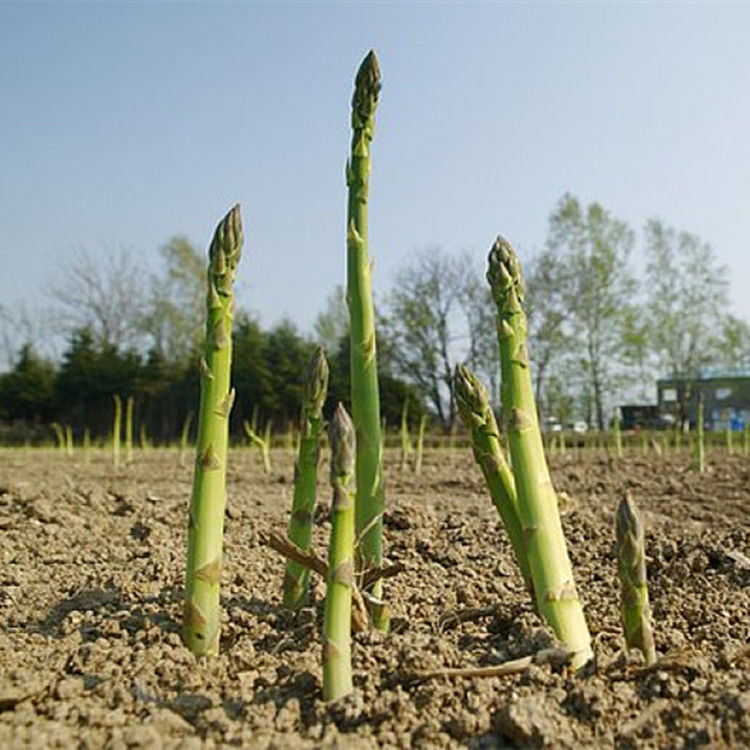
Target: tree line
pixel 599 333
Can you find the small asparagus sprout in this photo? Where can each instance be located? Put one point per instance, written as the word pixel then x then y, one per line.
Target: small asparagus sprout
pixel 69 440
pixel 479 420
pixel 129 430
pixel 184 436
pixel 631 569
pixel 406 448
pixel 116 432
pixel 86 445
pixel 420 445
pixel 337 666
pixel 700 448
pixel 617 433
pixel 200 629
pixel 263 443
pixel 554 588
pixel 59 435
pixel 297 577
pixel 364 370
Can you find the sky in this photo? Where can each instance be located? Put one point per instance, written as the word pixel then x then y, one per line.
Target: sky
pixel 123 124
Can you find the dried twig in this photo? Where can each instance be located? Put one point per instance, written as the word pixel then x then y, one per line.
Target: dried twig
pixel 313 562
pixel 554 656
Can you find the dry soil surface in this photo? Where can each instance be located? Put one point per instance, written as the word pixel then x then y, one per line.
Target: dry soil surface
pixel 90 585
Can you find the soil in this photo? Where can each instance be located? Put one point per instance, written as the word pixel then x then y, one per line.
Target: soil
pixel 90 585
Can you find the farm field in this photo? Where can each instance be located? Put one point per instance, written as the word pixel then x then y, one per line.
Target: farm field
pixel 90 609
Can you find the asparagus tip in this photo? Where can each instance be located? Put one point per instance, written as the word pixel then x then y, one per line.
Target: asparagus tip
pixel 342 437
pixel 366 86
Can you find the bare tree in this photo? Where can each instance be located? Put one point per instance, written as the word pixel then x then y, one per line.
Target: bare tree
pixel 105 294
pixel 21 325
pixel 437 313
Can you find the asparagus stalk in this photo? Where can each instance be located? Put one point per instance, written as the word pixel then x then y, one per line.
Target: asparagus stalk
pixel 551 572
pixel 129 430
pixel 86 445
pixel 337 666
pixel 263 443
pixel 406 448
pixel 617 433
pixel 69 440
pixel 364 371
pixel 631 569
pixel 700 449
pixel 297 577
pixel 59 435
pixel 479 419
pixel 420 445
pixel 184 435
pixel 116 431
pixel 206 521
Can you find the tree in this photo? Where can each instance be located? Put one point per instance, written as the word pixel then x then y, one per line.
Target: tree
pixel 549 289
pixel 596 247
pixel 175 311
pixel 27 391
pixel 105 296
pixel 734 343
pixel 433 319
pixel 332 323
pixel 687 297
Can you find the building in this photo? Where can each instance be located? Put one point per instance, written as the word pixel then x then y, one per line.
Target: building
pixel 726 393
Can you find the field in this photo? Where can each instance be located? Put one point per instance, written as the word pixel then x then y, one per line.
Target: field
pixel 90 587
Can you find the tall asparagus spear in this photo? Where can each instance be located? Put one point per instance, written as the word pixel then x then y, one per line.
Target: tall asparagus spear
pixel 364 371
pixel 337 664
pixel 551 572
pixel 631 568
pixel 200 629
pixel 297 577
pixel 479 419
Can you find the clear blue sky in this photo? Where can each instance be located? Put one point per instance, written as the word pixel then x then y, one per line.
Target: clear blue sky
pixel 129 123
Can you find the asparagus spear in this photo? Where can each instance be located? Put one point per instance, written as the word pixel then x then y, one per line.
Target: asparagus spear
pixel 420 445
pixel 297 577
pixel 364 371
pixel 554 587
pixel 206 521
pixel 617 433
pixel 129 430
pixel 700 449
pixel 406 449
pixel 479 419
pixel 337 666
pixel 631 569
pixel 116 431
